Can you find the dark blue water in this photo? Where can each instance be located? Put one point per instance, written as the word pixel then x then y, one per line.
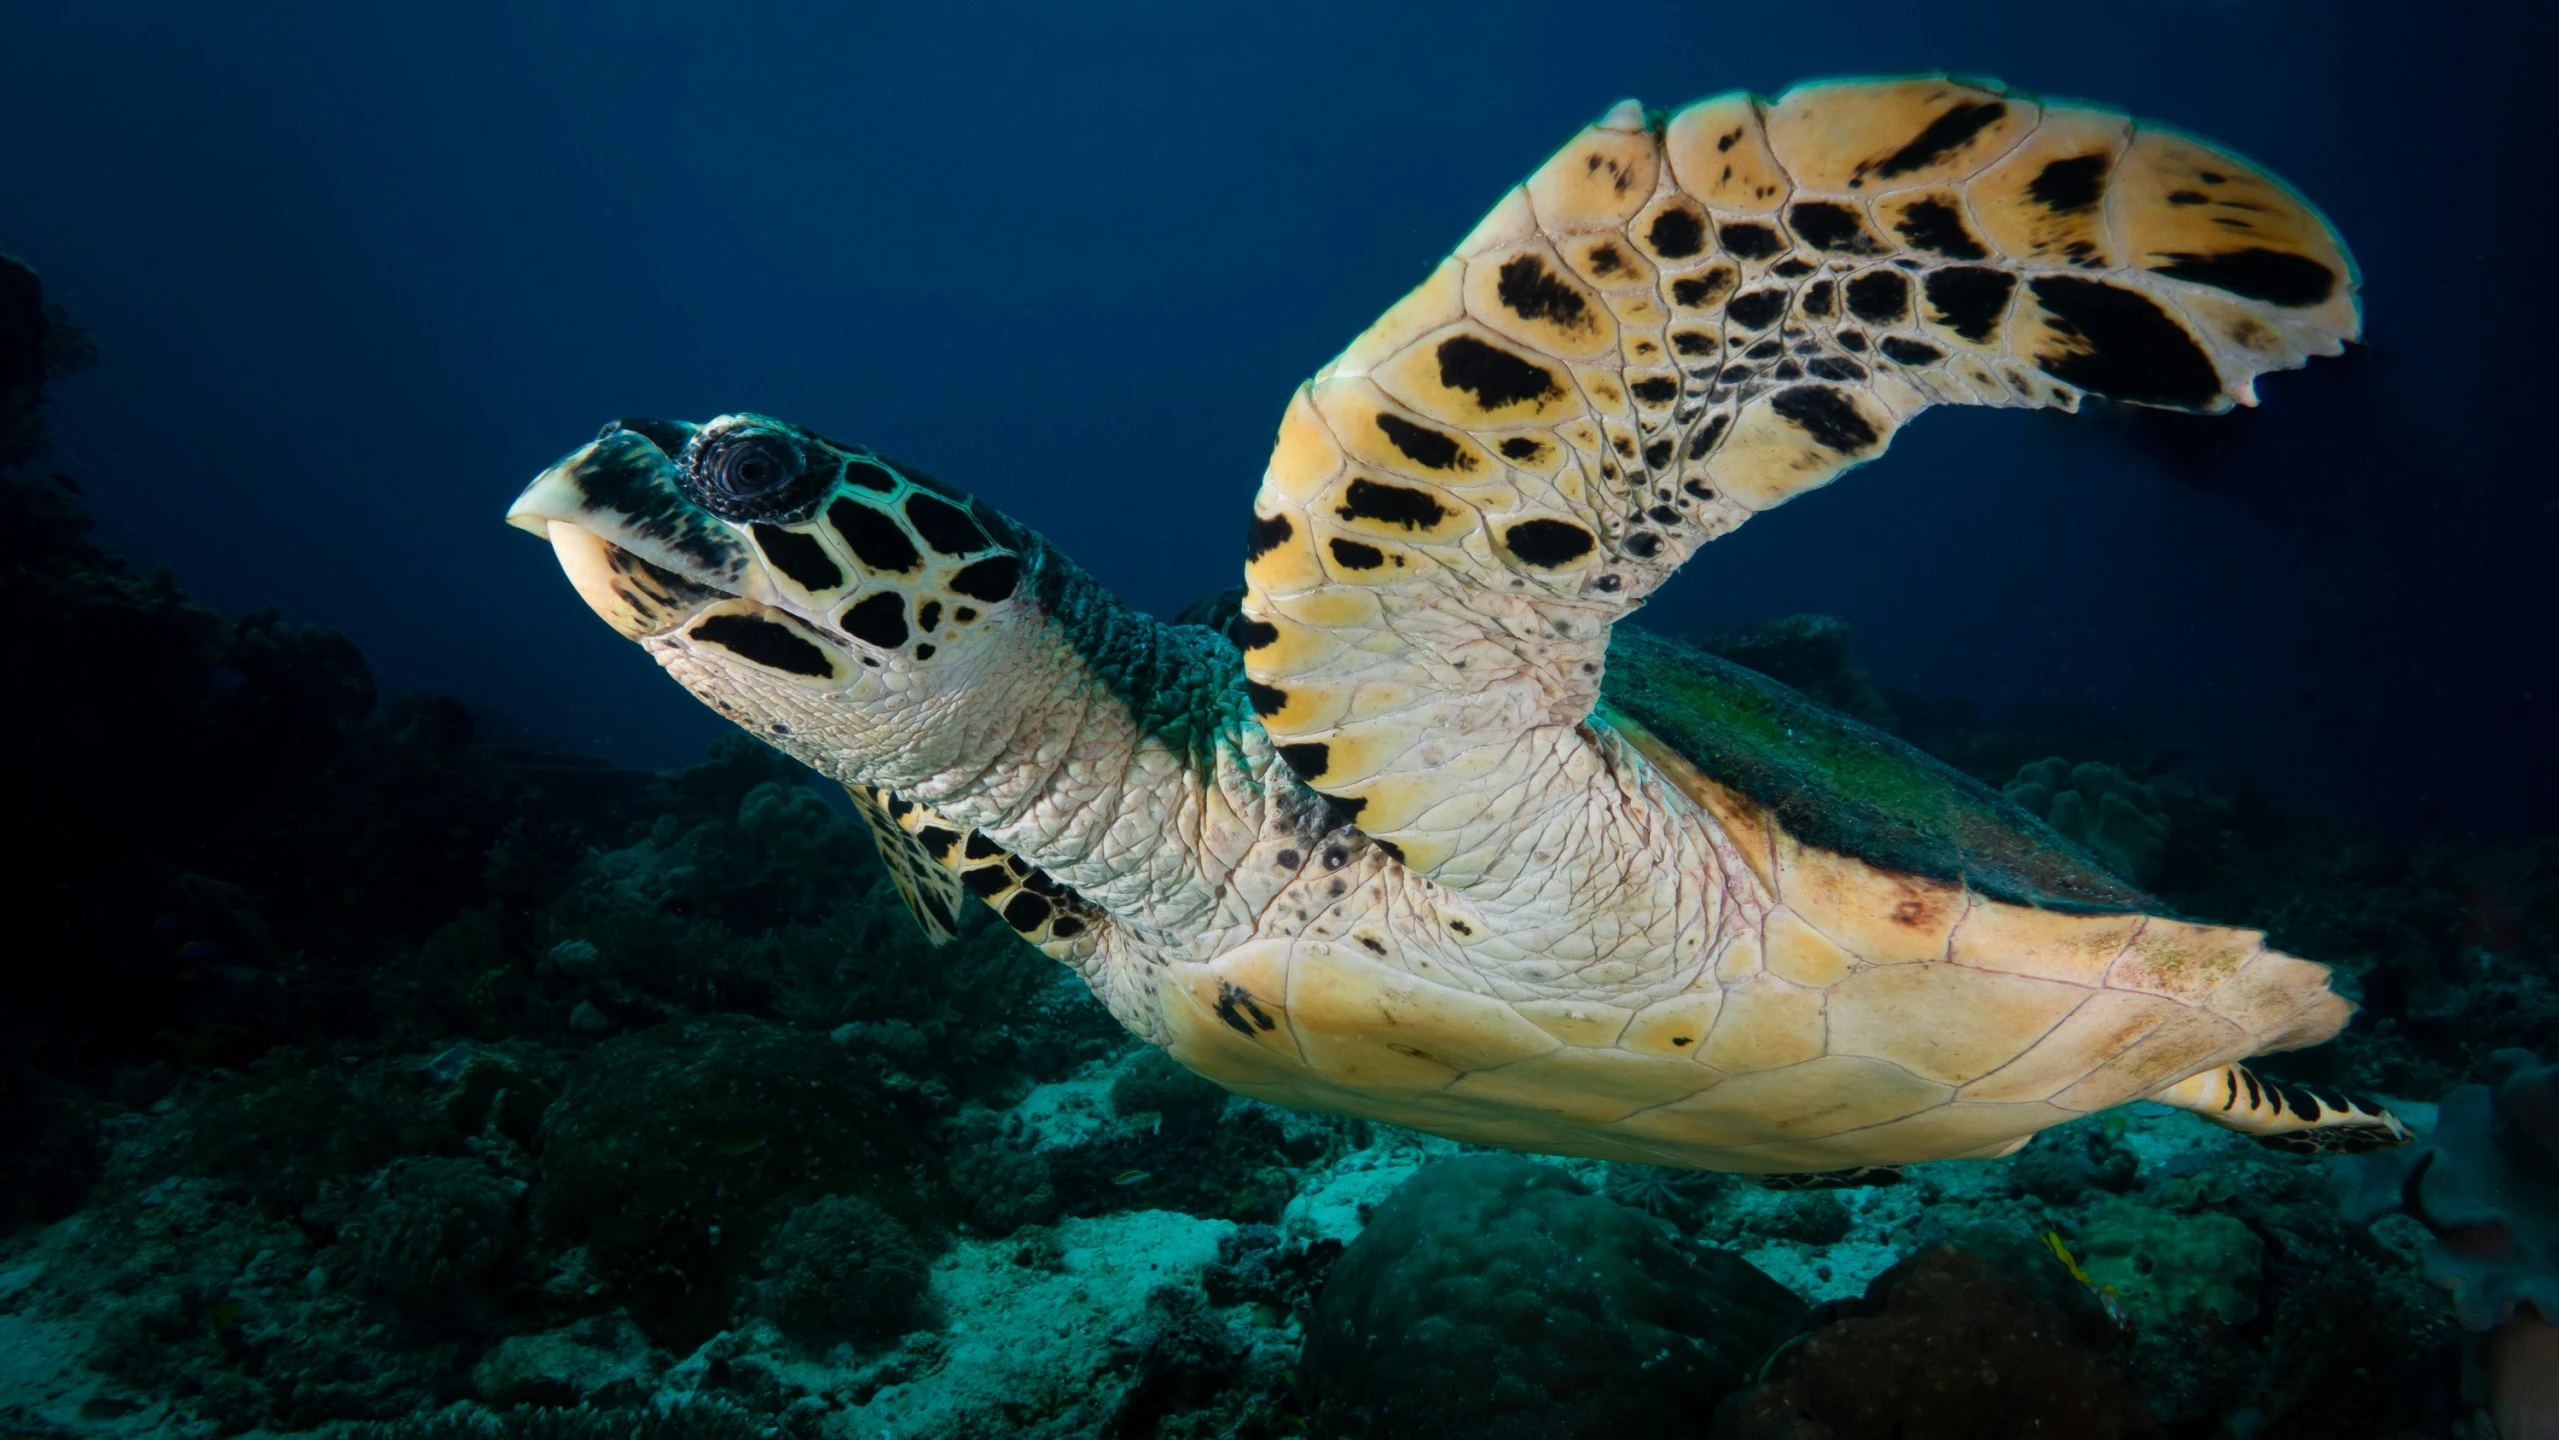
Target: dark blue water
pixel 356 275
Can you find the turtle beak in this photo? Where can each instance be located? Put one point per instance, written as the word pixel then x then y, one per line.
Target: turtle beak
pixel 624 454
pixel 635 548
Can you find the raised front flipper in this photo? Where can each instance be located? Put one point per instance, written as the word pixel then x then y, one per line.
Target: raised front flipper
pixel 1680 321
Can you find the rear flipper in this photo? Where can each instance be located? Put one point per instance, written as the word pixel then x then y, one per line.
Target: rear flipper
pixel 2304 1119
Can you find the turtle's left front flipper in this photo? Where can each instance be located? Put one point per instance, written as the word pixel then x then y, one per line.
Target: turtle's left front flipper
pixel 2286 1114
pixel 1680 321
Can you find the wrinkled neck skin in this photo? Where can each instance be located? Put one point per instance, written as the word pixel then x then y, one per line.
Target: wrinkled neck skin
pixel 1113 750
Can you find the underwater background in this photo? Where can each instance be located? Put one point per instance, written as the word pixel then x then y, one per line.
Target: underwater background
pixel 424 1020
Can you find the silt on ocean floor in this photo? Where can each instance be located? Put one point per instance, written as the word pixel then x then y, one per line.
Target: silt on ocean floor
pixel 398 1076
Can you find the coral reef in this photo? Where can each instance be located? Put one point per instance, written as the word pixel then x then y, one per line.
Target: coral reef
pixel 1493 1296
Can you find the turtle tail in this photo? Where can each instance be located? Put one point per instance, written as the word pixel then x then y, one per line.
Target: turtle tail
pixel 2286 1115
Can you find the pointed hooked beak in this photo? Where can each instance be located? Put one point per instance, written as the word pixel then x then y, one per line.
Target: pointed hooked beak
pixel 640 554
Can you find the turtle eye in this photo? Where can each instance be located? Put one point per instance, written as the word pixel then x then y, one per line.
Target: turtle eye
pixel 749 477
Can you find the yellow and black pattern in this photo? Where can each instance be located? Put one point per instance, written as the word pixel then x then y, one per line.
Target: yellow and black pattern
pixel 1679 321
pixel 2287 1114
pixel 934 862
pixel 931 890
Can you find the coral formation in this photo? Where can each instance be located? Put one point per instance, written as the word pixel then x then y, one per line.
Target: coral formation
pixel 2484 1180
pixel 2168 1267
pixel 1493 1296
pixel 672 1153
pixel 2105 811
pixel 841 1268
pixel 1975 1338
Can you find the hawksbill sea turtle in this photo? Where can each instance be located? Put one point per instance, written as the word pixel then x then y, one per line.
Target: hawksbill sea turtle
pixel 1421 833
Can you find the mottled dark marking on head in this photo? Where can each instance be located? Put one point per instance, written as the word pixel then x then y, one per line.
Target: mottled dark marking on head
pixel 1643 544
pixel 1970 299
pixel 1352 555
pixel 1707 434
pixel 1288 859
pixel 2277 277
pixel 925 652
pixel 1520 447
pixel 1065 927
pixel 1910 352
pixel 2072 185
pixel 879 619
pixel 1938 228
pixel 1879 297
pixel 1942 137
pixel 1402 505
pixel 1693 342
pixel 1765 350
pixel 766 642
pixel 2133 349
pixel 1657 455
pixel 870 475
pixel 1532 292
pixel 1852 340
pixel 1827 415
pixel 1655 390
pixel 1428 448
pixel 1836 367
pixel 962 614
pixel 1758 309
pixel 1787 370
pixel 1817 299
pixel 1548 543
pixel 1665 516
pixel 945 526
pixel 1496 378
pixel 1792 269
pixel 991 579
pixel 873 537
pixel 1677 233
pixel 1832 226
pixel 798 556
pixel 928 614
pixel 1750 240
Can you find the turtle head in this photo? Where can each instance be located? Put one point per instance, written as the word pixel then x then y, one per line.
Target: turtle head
pixel 842 605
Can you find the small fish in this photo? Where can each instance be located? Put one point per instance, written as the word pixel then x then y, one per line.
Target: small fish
pixel 1126 1178
pixel 737 1142
pixel 2110 1299
pixel 198 950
